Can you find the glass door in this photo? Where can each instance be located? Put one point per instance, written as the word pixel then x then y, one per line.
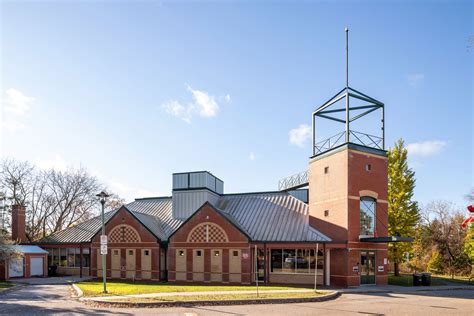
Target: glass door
pixel 367 267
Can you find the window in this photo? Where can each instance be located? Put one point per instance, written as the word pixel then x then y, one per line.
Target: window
pixel 116 252
pixel 367 216
pixel 181 253
pixel 147 252
pixel 198 253
pixel 217 253
pixel 326 169
pixel 277 260
pixel 368 167
pixel 130 252
pixel 296 261
pixel 326 213
pixel 63 257
pixel 235 253
pixel 68 257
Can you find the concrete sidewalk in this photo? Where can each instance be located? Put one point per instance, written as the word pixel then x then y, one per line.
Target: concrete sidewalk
pixel 166 294
pixel 50 280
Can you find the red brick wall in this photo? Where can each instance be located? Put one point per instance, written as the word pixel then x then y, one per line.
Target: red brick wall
pixel 147 241
pixel 236 240
pixel 18 223
pixel 339 192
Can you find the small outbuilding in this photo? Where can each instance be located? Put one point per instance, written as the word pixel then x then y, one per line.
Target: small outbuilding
pixel 31 262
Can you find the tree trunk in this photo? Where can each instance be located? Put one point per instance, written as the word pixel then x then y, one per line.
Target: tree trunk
pixel 396 269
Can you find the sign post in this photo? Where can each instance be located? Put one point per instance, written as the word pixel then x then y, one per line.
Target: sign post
pixel 103 240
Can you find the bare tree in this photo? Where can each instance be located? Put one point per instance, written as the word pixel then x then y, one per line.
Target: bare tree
pixel 16 177
pixel 54 199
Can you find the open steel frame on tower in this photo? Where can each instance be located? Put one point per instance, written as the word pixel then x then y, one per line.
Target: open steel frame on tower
pixel 348 135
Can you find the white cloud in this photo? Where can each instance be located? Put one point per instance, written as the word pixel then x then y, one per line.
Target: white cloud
pixel 12 125
pixel 129 192
pixel 15 105
pixel 16 102
pixel 177 109
pixel 203 104
pixel 426 148
pixel 57 163
pixel 415 79
pixel 300 135
pixel 252 156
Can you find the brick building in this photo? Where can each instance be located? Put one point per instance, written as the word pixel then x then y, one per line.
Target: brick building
pixel 327 224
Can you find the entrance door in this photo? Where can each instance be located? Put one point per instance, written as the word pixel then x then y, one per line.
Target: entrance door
pixel 261 265
pixel 36 266
pixel 367 267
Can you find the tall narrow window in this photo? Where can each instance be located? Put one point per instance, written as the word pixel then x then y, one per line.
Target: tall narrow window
pixel 367 216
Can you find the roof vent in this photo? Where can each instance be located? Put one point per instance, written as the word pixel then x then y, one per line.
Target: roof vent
pixel 192 189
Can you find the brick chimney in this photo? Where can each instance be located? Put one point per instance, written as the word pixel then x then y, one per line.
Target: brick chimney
pixel 18 223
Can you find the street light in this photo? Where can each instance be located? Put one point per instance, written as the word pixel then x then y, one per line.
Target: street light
pixel 103 196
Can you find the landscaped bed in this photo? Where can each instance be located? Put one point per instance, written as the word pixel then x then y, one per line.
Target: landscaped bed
pixel 94 288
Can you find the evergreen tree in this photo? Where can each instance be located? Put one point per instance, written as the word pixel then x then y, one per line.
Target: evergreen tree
pixel 403 212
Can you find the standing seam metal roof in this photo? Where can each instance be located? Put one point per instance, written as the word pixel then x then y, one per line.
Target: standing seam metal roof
pixel 268 216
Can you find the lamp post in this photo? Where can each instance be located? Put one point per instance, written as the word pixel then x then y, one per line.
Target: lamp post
pixel 103 196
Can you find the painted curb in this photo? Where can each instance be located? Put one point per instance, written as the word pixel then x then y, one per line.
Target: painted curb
pixel 77 289
pixel 321 298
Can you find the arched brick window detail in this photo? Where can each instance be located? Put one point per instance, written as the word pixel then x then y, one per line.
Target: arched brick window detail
pixel 207 232
pixel 124 234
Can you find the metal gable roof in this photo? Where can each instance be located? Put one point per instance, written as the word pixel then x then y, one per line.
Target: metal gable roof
pixel 271 217
pixel 159 208
pixel 267 216
pixel 80 233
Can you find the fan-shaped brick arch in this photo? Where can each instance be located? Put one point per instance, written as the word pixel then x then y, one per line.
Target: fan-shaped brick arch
pixel 207 232
pixel 124 234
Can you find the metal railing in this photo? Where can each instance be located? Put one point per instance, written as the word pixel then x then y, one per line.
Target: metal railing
pixel 365 139
pixel 329 143
pixel 354 137
pixel 294 181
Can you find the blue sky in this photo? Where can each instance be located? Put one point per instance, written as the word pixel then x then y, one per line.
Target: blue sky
pixel 135 91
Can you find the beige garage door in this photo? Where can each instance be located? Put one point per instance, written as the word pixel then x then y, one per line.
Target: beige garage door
pixel 216 265
pixel 198 265
pixel 131 266
pixel 146 264
pixel 116 263
pixel 235 266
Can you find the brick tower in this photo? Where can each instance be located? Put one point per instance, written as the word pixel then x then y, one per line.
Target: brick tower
pixel 348 187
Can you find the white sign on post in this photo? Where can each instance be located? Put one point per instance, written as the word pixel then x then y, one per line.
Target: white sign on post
pixel 103 249
pixel 103 239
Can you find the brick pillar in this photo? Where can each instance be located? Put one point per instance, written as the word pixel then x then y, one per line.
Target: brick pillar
pixel 18 223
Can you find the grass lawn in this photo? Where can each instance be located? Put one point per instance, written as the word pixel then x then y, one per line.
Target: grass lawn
pixel 407 280
pixel 223 297
pixel 5 285
pixel 126 288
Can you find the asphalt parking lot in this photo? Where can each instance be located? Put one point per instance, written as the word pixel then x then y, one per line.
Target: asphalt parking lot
pixel 55 299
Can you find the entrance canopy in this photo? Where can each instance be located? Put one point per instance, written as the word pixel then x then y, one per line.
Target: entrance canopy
pixel 386 239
